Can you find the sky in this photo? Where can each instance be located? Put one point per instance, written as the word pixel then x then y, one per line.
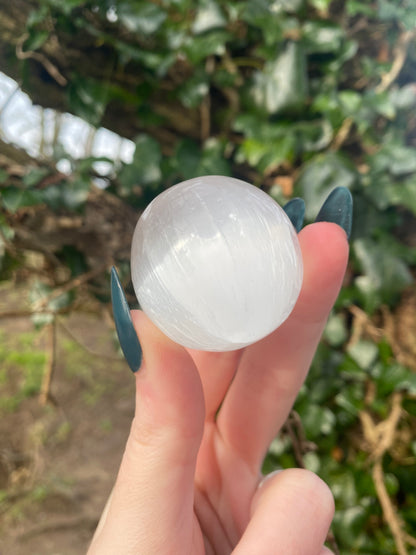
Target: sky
pixel 21 123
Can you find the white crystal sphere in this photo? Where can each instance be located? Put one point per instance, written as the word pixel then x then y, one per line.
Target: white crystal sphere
pixel 216 263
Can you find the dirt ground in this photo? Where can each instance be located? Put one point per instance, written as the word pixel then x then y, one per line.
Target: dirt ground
pixel 58 461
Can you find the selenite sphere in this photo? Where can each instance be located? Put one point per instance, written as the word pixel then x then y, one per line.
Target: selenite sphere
pixel 216 263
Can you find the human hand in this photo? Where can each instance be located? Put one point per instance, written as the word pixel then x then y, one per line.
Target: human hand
pixel 190 480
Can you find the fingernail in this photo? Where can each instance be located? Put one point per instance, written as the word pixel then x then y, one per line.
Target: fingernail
pixel 295 209
pixel 125 330
pixel 337 209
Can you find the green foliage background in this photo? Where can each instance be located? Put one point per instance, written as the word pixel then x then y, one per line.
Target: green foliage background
pixel 297 97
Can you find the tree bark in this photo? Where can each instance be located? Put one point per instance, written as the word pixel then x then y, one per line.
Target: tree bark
pixel 47 75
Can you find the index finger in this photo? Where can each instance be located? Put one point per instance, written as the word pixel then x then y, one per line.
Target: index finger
pixel 272 371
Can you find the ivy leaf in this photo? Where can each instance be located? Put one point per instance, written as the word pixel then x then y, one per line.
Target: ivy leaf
pixel 187 158
pixel 320 176
pixel 336 331
pixel 283 83
pixel 45 303
pixel 364 353
pixel 199 47
pixel 14 198
pixel 208 16
pixel 194 90
pixel 190 162
pixel 34 176
pixel 385 270
pixel 348 525
pixel 88 99
pixel 318 36
pixel 384 192
pixel 145 167
pixel 267 156
pixel 35 39
pixel 394 377
pixel 213 159
pixel 317 420
pixel 67 6
pixel 395 159
pixel 141 17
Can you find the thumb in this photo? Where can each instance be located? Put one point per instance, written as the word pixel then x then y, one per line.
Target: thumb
pixel 151 506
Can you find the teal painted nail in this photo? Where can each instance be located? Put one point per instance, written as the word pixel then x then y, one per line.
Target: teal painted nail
pixel 125 330
pixel 338 209
pixel 295 209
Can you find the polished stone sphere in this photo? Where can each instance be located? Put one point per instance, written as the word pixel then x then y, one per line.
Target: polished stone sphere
pixel 216 263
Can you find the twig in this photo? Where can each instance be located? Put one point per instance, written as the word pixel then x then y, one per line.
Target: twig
pixel 92 352
pixel 342 134
pixel 400 55
pixel 72 284
pixel 301 445
pixel 44 395
pixel 295 440
pixel 390 516
pixel 20 313
pixel 410 540
pixel 380 438
pixel 362 323
pixel 47 64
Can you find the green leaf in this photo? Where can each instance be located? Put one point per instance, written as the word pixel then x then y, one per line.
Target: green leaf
pixel 88 98
pixel 317 420
pixel 190 161
pixel 312 136
pixel 35 39
pixel 395 159
pixel 356 7
pixel 320 176
pixel 336 331
pixel 402 12
pixel 188 158
pixel 75 193
pixel 208 16
pixel 320 5
pixel 386 271
pixel 35 176
pixel 344 490
pixel 350 102
pixel 141 17
pixel 197 48
pixel 394 377
pixel 70 195
pixel 364 353
pixel 349 524
pixel 384 192
pixel 403 98
pixel 213 158
pixel 380 104
pixel 3 176
pixel 194 90
pixel 65 6
pixel 351 397
pixel 145 169
pixel 267 156
pixel 14 198
pixel 45 303
pixel 283 83
pixel 74 259
pixel 319 36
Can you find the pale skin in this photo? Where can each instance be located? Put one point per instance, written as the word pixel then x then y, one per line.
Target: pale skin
pixel 190 480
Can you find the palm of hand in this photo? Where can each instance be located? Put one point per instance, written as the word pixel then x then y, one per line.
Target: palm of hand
pixel 188 483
